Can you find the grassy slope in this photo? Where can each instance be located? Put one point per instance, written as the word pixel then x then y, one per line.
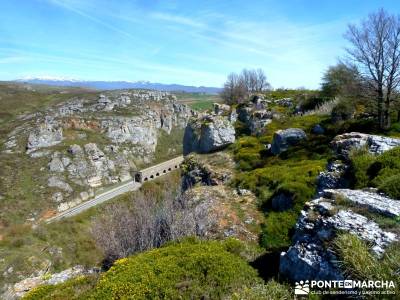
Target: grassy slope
pixel 198 101
pixel 293 172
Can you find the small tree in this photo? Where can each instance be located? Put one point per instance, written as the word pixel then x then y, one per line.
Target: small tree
pixel 341 80
pixel 375 50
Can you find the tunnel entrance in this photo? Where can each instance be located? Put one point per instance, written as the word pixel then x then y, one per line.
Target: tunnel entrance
pixel 138 177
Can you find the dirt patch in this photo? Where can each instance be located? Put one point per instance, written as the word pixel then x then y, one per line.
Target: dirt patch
pixel 48 214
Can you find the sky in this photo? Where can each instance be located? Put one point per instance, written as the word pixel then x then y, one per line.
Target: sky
pixel 185 42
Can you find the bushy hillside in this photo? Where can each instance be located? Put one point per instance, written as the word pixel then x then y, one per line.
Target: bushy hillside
pixel 190 269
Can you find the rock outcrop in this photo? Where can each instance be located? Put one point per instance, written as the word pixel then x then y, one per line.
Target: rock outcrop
pixel 199 170
pixel 254 115
pixel 345 143
pixel 283 139
pixel 338 209
pixel 46 134
pixel 221 109
pixel 207 134
pixel 19 289
pixel 333 177
pixel 311 255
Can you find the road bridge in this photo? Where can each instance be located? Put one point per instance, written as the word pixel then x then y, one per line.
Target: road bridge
pixel 158 170
pixel 138 178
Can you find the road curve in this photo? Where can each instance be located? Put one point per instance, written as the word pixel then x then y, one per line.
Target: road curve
pixel 126 187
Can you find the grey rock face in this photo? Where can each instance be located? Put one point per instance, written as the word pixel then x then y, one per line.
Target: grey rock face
pixel 47 134
pixel 344 143
pixel 208 134
pixel 244 113
pixel 255 115
pixel 90 166
pixel 57 197
pixel 133 130
pixel 233 116
pixel 372 201
pixel 283 139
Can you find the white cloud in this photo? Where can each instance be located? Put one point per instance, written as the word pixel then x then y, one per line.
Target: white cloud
pixel 181 20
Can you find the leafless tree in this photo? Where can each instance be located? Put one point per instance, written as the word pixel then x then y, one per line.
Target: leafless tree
pixel 234 90
pixel 148 223
pixel 262 83
pixel 239 87
pixel 375 49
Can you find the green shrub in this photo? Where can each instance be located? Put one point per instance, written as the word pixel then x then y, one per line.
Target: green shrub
pixel 361 162
pixel 191 269
pixel 379 171
pixel 247 151
pixel 395 127
pixel 296 177
pixel 391 186
pixel 310 102
pixel 277 228
pixel 359 125
pixel 188 270
pixel 344 110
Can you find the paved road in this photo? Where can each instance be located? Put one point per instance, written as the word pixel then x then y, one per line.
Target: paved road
pixel 126 187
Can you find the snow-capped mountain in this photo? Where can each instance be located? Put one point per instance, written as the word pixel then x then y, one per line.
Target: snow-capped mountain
pixel 113 85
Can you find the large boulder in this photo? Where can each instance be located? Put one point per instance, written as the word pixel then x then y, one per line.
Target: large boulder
pixel 375 144
pixel 207 134
pixel 283 139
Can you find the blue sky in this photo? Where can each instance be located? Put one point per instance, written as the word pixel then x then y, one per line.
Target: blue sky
pixel 186 42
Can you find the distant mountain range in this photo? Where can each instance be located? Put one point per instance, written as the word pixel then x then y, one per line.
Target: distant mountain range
pixel 115 85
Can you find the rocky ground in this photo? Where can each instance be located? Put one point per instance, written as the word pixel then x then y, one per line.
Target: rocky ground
pixel 225 211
